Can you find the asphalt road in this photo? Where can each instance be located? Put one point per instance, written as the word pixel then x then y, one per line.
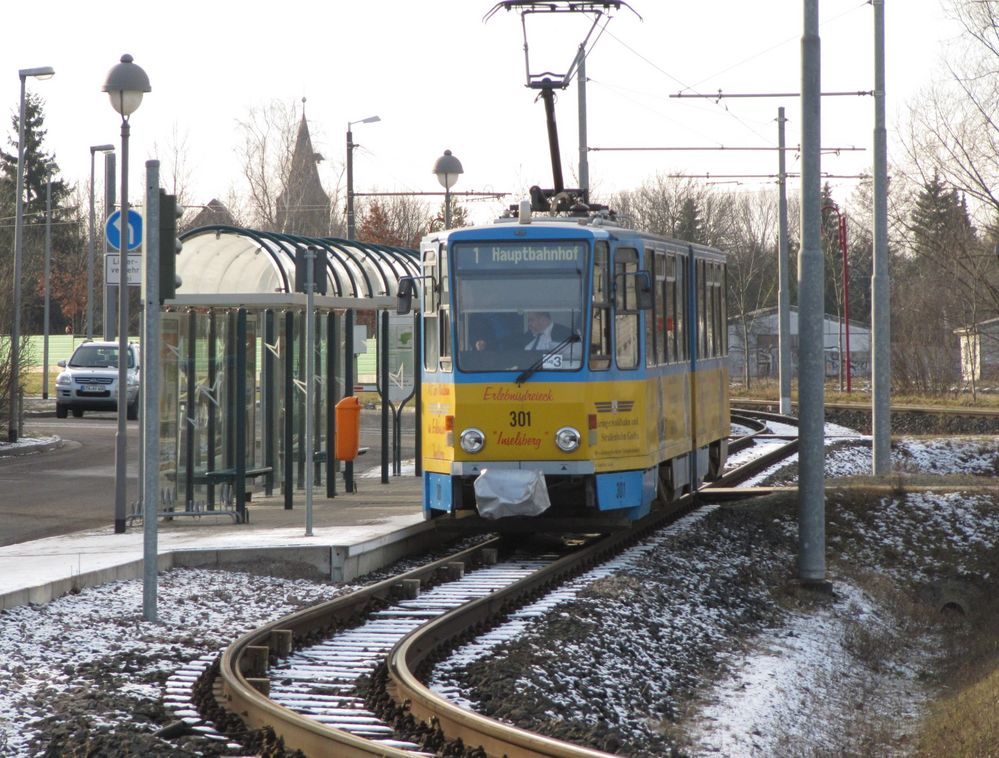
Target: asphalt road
pixel 72 488
pixel 67 489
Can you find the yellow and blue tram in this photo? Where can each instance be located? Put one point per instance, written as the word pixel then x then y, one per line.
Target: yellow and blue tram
pixel 621 404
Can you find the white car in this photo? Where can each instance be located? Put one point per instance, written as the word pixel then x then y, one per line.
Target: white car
pixel 89 381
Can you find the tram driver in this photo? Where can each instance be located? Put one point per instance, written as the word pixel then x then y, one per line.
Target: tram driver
pixel 543 333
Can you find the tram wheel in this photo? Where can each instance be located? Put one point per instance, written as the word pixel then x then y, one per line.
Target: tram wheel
pixel 665 489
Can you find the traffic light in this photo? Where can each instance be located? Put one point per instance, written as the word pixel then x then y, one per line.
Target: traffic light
pixel 170 245
pixel 319 268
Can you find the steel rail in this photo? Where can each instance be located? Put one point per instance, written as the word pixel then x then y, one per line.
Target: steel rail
pixel 242 671
pixel 412 652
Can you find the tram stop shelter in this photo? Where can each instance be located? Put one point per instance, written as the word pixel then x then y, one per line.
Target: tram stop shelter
pixel 232 354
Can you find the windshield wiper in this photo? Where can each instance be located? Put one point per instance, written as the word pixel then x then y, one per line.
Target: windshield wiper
pixel 531 370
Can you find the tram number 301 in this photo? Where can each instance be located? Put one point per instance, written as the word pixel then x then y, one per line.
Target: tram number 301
pixel 520 418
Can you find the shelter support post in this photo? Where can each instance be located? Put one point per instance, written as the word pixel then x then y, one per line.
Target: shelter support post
pixel 289 407
pixel 348 384
pixel 332 344
pixel 190 412
pixel 269 401
pixel 216 396
pixel 239 403
pixel 383 382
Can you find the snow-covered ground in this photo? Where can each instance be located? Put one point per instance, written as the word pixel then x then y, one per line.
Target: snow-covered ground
pixel 87 666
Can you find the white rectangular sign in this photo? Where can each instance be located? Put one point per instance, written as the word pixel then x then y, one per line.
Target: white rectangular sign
pixel 112 267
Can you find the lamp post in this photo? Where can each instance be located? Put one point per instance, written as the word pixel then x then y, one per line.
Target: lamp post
pixel 125 84
pixel 42 72
pixel 49 168
pixel 448 169
pixel 90 250
pixel 350 171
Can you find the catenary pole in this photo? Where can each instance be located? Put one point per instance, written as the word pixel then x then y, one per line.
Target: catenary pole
pixel 584 163
pixel 811 316
pixel 783 289
pixel 880 290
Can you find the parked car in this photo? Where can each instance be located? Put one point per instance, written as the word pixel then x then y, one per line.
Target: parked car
pixel 89 381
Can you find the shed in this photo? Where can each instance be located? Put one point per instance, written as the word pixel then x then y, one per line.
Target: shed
pixel 764 344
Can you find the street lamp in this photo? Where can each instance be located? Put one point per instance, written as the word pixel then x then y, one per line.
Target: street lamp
pixel 42 72
pixel 125 84
pixel 448 169
pixel 350 172
pixel 49 168
pixel 90 252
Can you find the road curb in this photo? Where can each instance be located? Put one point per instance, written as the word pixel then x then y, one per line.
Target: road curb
pixel 26 446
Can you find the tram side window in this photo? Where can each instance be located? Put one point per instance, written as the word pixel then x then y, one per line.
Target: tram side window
pixel 431 304
pixel 600 341
pixel 714 304
pixel 667 287
pixel 723 309
pixel 445 309
pixel 701 306
pixel 626 313
pixel 654 322
pixel 681 292
pixel 716 280
pixel 711 316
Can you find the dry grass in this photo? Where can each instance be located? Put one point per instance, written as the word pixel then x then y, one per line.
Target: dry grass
pixel 965 723
pixel 32 381
pixel 862 394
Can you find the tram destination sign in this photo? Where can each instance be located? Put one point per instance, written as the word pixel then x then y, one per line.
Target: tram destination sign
pixel 533 254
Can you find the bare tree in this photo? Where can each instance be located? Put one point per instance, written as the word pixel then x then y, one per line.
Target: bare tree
pixel 399 220
pixel 954 127
pixel 268 146
pixel 175 167
pixel 752 264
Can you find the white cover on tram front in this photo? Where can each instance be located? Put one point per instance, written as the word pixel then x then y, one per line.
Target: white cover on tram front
pixel 500 493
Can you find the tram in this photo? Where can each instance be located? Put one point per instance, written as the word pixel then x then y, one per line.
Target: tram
pixel 573 370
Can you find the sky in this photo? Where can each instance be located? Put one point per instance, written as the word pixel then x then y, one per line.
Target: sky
pixel 440 77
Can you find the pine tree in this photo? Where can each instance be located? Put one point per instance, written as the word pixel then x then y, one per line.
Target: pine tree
pixel 689 226
pixel 939 218
pixel 459 218
pixel 39 167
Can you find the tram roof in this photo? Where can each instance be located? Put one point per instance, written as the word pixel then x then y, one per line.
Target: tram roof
pixel 224 264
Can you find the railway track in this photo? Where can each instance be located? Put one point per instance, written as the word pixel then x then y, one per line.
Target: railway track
pixel 346 677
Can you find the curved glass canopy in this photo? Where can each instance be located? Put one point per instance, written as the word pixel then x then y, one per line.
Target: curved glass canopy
pixel 231 260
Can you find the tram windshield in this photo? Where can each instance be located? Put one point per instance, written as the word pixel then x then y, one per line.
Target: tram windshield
pixel 520 302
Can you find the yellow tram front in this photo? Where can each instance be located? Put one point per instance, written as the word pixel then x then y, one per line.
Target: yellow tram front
pixel 538 396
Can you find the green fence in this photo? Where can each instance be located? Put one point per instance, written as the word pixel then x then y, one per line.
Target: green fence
pixel 61 346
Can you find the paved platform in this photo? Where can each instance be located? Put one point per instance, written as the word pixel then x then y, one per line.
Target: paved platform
pixel 352 534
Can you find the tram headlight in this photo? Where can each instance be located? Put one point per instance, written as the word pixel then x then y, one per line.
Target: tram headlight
pixel 567 439
pixel 472 440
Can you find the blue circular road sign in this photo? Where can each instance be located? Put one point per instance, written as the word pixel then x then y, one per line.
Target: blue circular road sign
pixel 112 230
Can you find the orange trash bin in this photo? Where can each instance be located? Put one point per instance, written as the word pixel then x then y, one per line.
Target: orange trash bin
pixel 348 428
